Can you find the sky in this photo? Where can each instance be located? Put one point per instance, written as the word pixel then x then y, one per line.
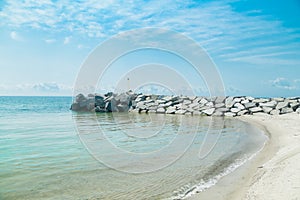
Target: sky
pixel 254 44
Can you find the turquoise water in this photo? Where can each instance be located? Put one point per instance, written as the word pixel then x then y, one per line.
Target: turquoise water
pixel 49 152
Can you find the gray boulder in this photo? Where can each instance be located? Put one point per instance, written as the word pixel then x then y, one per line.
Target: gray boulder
pixel 80 97
pixel 219 105
pixel 160 110
pixel 281 105
pixel 278 99
pixel 196 112
pixel 209 111
pixel 267 109
pixel 256 109
pixel 220 100
pixel 271 104
pixel 181 112
pixel 286 110
pixel 260 100
pixel 295 106
pixel 210 104
pixel 203 101
pixel 229 102
pixel 250 105
pixel 235 110
pixel 171 110
pixel 245 101
pixel 243 112
pixel 275 112
pixel 229 114
pixel 239 106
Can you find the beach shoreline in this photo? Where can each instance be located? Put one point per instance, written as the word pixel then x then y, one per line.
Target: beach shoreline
pixel 274 173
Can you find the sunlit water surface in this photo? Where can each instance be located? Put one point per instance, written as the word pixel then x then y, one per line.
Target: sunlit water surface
pixel 49 152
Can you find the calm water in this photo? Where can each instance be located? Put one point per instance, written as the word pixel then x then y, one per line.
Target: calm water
pixel 49 152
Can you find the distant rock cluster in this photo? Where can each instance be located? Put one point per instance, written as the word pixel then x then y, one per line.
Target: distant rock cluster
pixel 184 105
pixel 109 102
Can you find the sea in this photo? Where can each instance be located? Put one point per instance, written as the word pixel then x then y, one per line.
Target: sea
pixel 50 152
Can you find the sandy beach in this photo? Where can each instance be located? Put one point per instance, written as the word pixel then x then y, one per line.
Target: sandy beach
pixel 272 174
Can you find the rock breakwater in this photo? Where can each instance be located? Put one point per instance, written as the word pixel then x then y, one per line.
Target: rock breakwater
pixel 185 105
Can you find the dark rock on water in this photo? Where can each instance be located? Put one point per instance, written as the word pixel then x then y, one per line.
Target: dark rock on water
pixel 99 101
pixel 80 97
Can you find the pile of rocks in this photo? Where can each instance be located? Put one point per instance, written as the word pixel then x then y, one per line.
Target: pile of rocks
pixel 215 106
pixel 109 102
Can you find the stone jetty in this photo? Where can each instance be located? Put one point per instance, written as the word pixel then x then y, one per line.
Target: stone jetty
pixel 185 105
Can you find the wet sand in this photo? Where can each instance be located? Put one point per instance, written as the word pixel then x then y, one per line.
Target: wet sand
pixel 272 174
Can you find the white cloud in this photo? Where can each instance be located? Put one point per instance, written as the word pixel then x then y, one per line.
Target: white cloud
pixel 215 25
pixel 15 36
pixel 283 83
pixel 67 40
pixel 51 88
pixel 49 41
pixel 46 87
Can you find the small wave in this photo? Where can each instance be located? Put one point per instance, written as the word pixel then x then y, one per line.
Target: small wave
pixel 206 184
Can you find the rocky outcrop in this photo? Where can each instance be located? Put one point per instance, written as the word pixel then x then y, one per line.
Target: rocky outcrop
pixel 109 102
pixel 184 105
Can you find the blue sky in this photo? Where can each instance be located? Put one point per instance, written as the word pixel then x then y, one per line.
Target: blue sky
pixel 255 44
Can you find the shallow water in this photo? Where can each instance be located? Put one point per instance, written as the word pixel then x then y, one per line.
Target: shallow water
pixel 49 152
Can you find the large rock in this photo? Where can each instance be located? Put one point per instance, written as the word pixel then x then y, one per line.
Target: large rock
pixel 256 109
pixel 209 111
pixel 229 114
pixel 245 101
pixel 219 105
pixel 250 105
pixel 218 113
pixel 243 112
pixel 75 106
pixel 191 110
pixel 160 110
pixel 286 110
pixel 220 99
pixel 275 112
pixel 196 112
pixel 239 106
pixel 80 97
pixel 194 105
pixel 99 101
pixel 281 105
pixel 260 100
pixel 210 104
pixel 278 99
pixel 203 101
pixel 98 109
pixel 295 106
pixel 180 112
pixel 222 109
pixel 235 110
pixel 167 98
pixel 250 98
pixel 238 99
pixel 122 107
pixel 229 102
pixel 197 100
pixel 267 109
pixel 186 102
pixel 271 104
pixel 171 110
